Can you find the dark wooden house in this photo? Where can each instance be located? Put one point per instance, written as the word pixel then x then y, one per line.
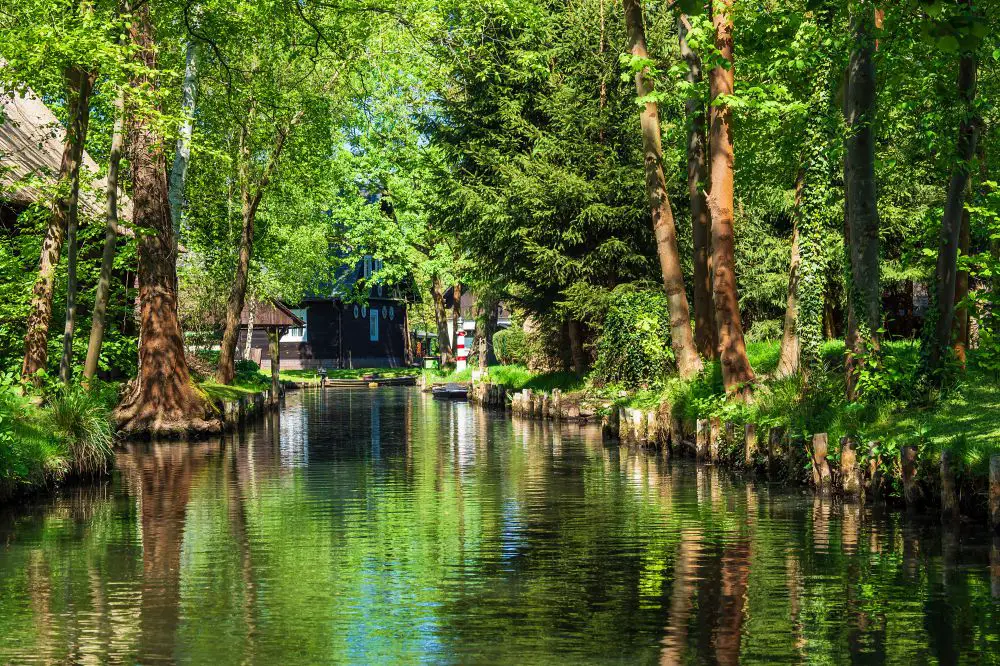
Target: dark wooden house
pixel 339 331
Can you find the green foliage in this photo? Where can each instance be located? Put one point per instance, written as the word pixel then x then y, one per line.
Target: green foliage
pixel 510 346
pixel 634 347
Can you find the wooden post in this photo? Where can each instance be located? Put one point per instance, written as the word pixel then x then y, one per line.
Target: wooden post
pixel 995 492
pixel 908 463
pixel 676 433
pixel 702 437
pixel 874 474
pixel 750 444
pixel 850 476
pixel 556 404
pixel 949 494
pixel 715 438
pixel 822 478
pixel 623 425
pixel 273 336
pixel 652 428
pixel 995 567
pixel 774 438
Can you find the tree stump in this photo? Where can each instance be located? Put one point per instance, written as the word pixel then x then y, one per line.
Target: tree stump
pixel 774 439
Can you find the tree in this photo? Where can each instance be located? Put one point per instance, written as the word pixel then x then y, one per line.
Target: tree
pixel 951 223
pixel 97 322
pixel 161 400
pixel 736 371
pixel 705 332
pixel 682 339
pixel 861 198
pixel 79 83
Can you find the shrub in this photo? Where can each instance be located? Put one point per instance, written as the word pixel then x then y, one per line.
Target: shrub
pixel 82 421
pixel 634 347
pixel 510 346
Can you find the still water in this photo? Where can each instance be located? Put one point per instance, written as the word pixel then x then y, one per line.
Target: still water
pixel 383 526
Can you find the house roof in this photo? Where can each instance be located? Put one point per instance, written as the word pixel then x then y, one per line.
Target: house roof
pixel 31 144
pixel 270 314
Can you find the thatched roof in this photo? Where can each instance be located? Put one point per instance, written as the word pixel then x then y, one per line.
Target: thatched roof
pixel 31 144
pixel 271 314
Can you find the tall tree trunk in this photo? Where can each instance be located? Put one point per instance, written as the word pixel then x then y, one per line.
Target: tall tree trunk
pixel 110 240
pixel 736 371
pixel 486 354
pixel 682 339
pixel 577 354
pixel 860 196
pixel 961 333
pixel 951 223
pixel 441 319
pixel 456 311
pixel 237 297
pixel 78 88
pixel 248 341
pixel 407 340
pixel 162 400
pixel 85 84
pixel 706 335
pixel 250 203
pixel 788 361
pixel 182 153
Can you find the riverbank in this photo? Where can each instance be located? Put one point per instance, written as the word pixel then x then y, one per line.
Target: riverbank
pixel 929 450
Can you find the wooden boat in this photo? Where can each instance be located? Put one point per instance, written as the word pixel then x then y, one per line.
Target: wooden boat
pixel 451 392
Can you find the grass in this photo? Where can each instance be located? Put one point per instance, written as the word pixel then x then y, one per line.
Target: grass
pixel 73 434
pixel 516 377
pixel 217 391
pixel 341 373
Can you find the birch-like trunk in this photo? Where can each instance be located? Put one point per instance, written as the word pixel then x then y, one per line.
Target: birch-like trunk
pixel 182 153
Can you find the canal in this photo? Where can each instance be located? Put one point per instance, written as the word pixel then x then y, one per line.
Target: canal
pixel 370 526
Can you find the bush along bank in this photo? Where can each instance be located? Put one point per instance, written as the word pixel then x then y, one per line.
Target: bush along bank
pixel 46 441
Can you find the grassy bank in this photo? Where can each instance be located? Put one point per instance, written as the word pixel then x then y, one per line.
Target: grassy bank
pixel 895 412
pixel 71 433
pixel 312 376
pixel 516 377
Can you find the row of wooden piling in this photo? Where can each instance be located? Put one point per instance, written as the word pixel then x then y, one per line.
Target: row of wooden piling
pixel 718 441
pixel 530 404
pixel 236 412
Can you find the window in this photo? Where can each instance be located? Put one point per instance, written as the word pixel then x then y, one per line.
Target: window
pixel 368 265
pixel 392 312
pixel 357 311
pixel 364 311
pixel 385 312
pixel 297 334
pixel 373 326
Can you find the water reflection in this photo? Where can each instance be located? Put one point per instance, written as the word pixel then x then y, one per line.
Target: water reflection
pixel 382 526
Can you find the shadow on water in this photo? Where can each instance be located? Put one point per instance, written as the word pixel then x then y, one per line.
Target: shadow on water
pixel 381 526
